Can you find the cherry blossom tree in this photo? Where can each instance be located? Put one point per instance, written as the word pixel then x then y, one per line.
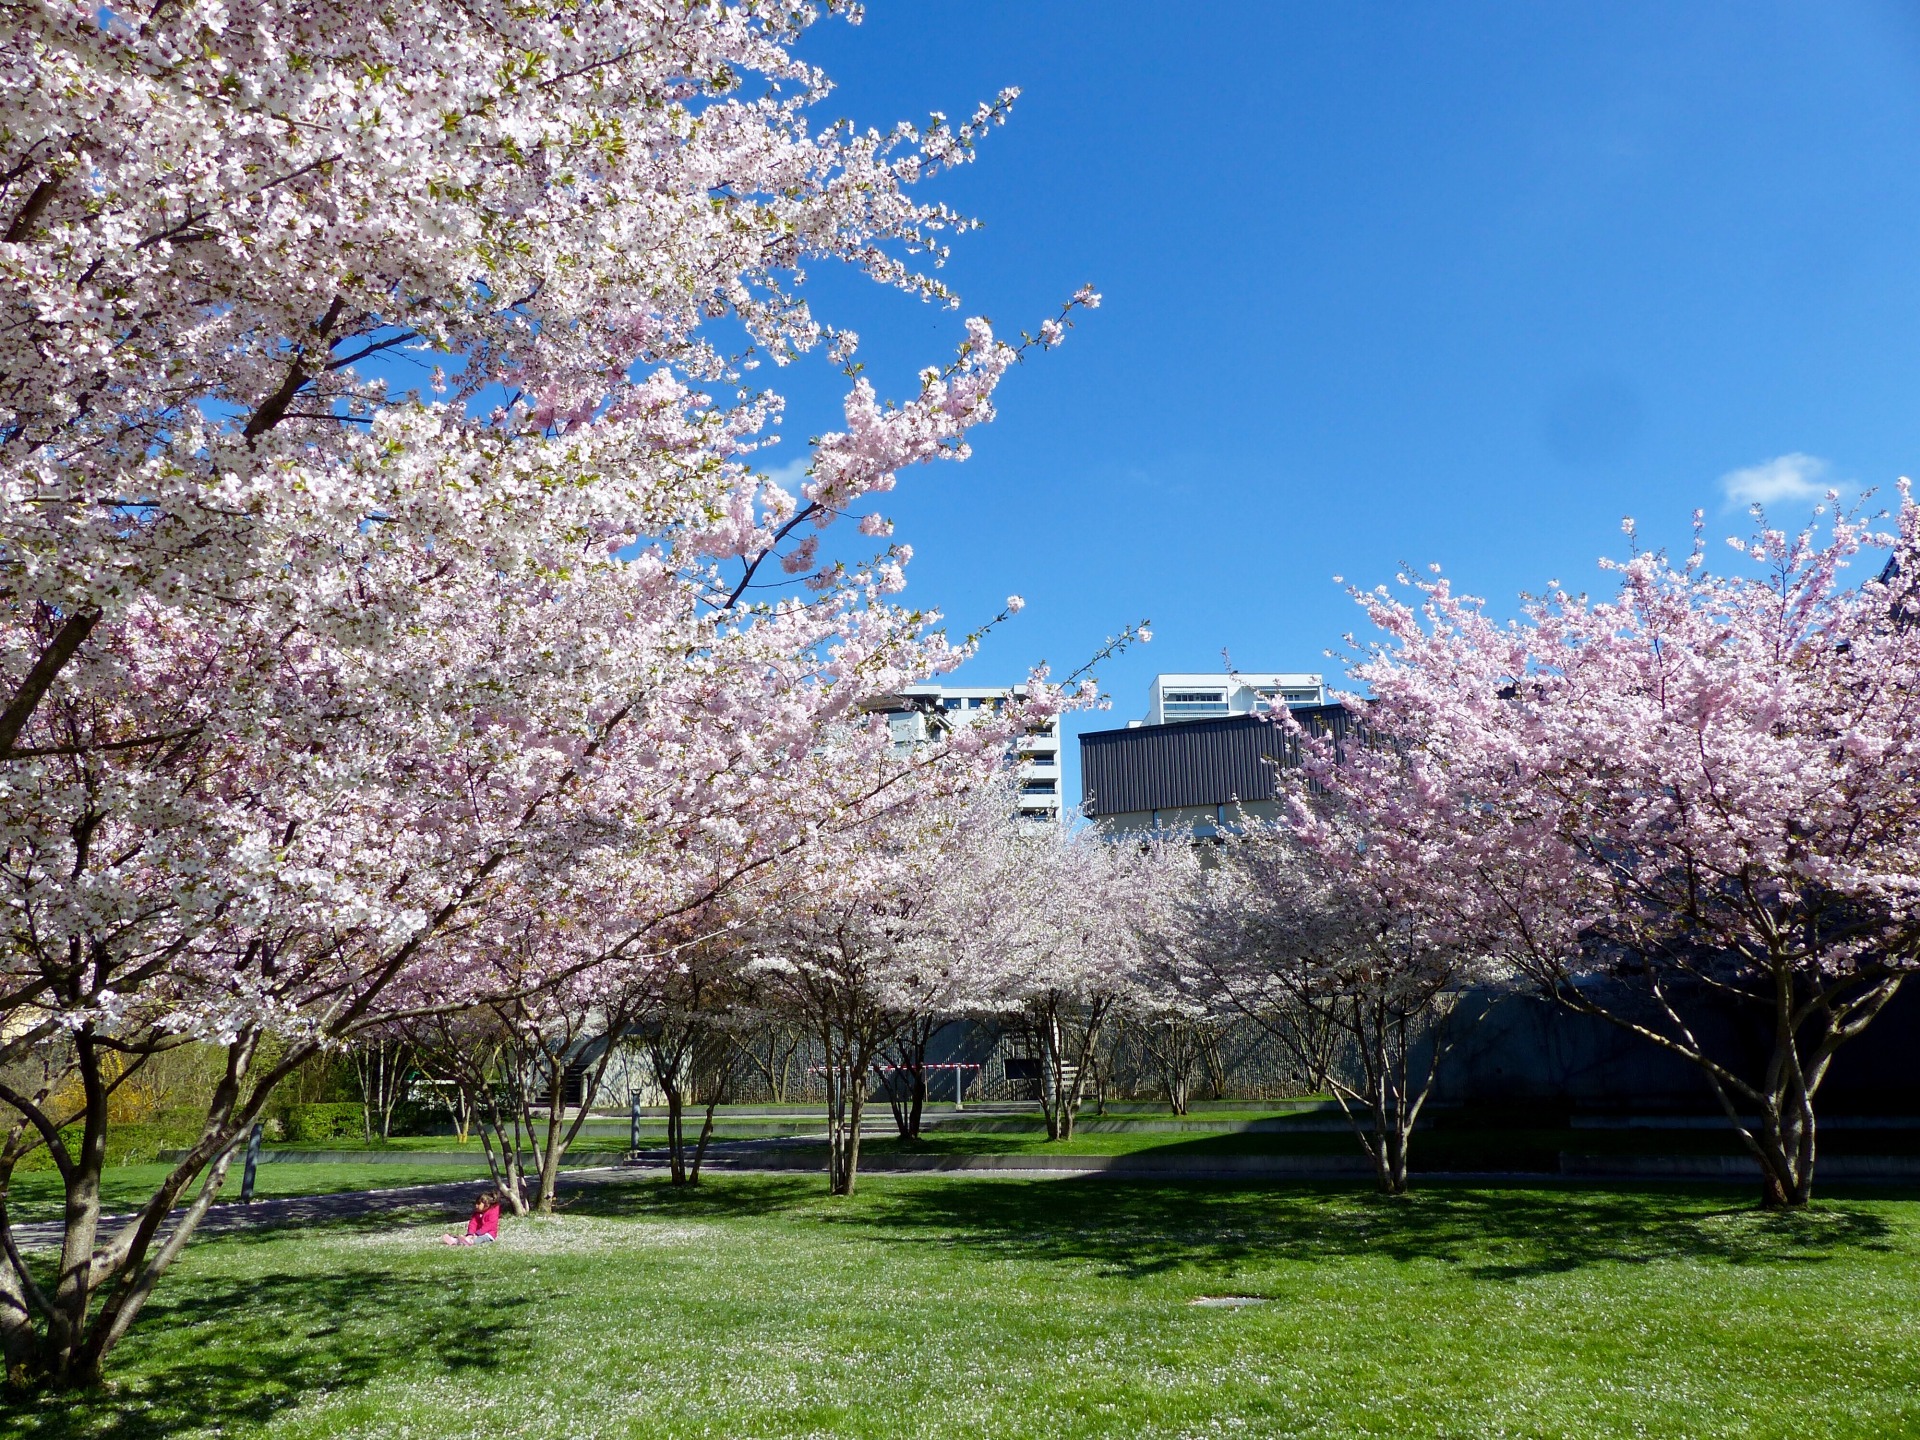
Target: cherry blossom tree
pixel 687 1019
pixel 863 938
pixel 468 1055
pixel 375 562
pixel 1076 912
pixel 1698 793
pixel 1322 918
pixel 546 1030
pixel 1173 1020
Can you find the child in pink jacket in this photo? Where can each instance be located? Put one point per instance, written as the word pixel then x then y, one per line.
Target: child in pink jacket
pixel 483 1226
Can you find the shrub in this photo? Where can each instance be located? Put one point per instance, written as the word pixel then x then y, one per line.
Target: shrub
pixel 339 1120
pixel 414 1117
pixel 133 1144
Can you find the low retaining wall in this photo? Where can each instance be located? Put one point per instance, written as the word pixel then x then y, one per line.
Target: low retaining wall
pixel 1325 1167
pixel 1734 1167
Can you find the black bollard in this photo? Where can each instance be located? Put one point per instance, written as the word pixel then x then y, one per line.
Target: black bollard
pixel 253 1163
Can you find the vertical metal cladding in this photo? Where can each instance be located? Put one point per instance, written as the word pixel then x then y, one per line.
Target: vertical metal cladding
pixel 1193 762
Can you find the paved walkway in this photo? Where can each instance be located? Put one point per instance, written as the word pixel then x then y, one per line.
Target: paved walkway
pixel 450 1198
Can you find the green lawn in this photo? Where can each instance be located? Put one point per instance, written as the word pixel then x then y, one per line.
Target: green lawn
pixel 36 1194
pixel 974 1306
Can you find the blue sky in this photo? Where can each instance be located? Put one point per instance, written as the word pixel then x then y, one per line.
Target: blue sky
pixel 1459 283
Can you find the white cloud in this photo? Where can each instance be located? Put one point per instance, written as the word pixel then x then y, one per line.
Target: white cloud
pixel 793 474
pixel 1785 477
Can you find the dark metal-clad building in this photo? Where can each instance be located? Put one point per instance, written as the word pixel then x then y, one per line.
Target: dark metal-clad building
pixel 1191 773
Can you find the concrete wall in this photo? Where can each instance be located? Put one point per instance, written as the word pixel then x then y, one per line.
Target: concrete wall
pixel 1523 1049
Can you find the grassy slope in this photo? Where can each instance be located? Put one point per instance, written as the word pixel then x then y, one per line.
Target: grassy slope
pixel 978 1306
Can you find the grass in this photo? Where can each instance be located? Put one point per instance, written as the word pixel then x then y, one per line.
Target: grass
pixel 36 1194
pixel 970 1306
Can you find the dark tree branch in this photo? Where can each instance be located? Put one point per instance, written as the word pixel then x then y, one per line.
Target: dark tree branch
pixel 30 212
pixel 66 642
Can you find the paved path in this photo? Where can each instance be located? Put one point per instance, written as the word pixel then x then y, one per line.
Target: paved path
pixel 450 1198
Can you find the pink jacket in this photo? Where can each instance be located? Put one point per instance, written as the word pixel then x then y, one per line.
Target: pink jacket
pixel 487 1223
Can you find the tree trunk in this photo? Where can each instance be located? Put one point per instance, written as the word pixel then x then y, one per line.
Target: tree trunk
pixel 509 1180
pixel 1786 1150
pixel 846 1105
pixel 137 1284
pixel 560 1134
pixel 706 1134
pixel 1784 1143
pixel 1062 1084
pixel 667 1054
pixel 1214 1062
pixel 122 1270
pixel 1175 1053
pixel 551 1152
pixel 17 1289
pixel 1393 1176
pixel 846 1157
pixel 1063 1078
pixel 907 1081
pixel 676 1131
pixel 776 1065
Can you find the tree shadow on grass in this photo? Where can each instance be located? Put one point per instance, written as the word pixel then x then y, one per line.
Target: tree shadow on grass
pixel 1135 1229
pixel 1138 1226
pixel 718 1197
pixel 264 1344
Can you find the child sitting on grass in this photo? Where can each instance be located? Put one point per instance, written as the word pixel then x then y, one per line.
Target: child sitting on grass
pixel 483 1226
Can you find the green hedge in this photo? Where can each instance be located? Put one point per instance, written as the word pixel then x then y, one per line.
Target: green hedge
pixel 340 1120
pixel 142 1143
pixel 344 1120
pixel 126 1144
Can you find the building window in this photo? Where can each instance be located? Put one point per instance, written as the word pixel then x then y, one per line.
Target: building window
pixel 1270 694
pixel 1194 702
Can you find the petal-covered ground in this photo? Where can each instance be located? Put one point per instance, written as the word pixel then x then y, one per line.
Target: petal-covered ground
pixel 976 1306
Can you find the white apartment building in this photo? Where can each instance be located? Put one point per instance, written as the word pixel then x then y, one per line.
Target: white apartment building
pixel 918 715
pixel 1173 698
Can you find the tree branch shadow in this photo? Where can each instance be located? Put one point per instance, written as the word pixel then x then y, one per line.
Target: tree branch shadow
pixel 1135 1229
pixel 326 1338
